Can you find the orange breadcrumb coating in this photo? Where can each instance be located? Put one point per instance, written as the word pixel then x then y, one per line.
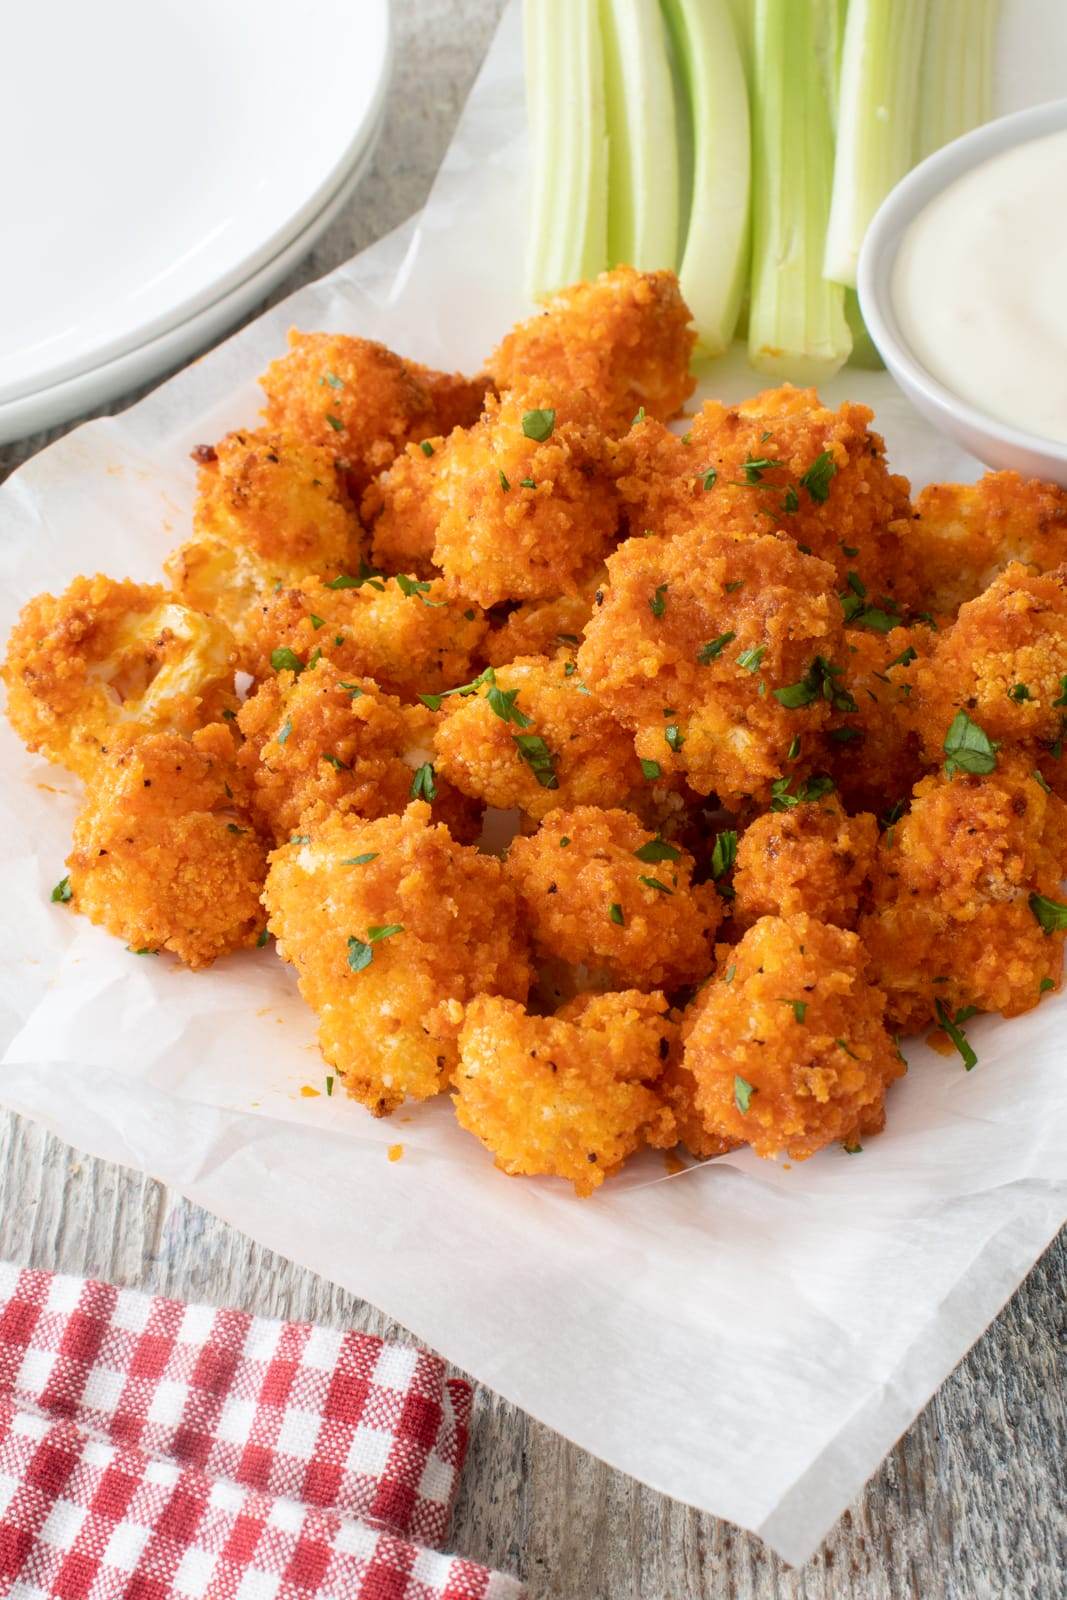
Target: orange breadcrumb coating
pixel 963 534
pixel 165 856
pixel 107 655
pixel 412 640
pixel 540 627
pixel 693 638
pixel 575 751
pixel 624 340
pixel 603 895
pixel 270 509
pixel 950 918
pixel 569 1096
pixel 456 401
pixel 813 859
pixel 524 518
pixel 678 1088
pixel 360 401
pixel 322 737
pixel 788 1044
pixel 873 753
pixel 403 509
pixel 440 923
pixel 1004 663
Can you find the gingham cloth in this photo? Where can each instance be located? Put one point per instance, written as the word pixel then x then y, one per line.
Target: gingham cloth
pixel 151 1449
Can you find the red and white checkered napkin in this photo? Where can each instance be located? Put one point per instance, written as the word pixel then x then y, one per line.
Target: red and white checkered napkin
pixel 151 1449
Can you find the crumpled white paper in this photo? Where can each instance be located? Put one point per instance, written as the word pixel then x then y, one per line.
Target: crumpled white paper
pixel 748 1337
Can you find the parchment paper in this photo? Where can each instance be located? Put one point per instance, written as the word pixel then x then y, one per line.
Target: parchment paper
pixel 746 1336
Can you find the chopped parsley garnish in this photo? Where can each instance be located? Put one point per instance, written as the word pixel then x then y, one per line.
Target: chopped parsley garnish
pixel 794 748
pixel 360 861
pixel 564 842
pixel 743 1092
pixel 876 618
pixel 504 484
pixel 538 757
pixel 1051 914
pixel 714 647
pixel 1039 779
pixel 332 379
pixel 338 639
pixel 569 669
pixel 1062 698
pixel 538 425
pixel 817 478
pixel 651 770
pixel 335 422
pixel 286 660
pixel 709 478
pixel 329 1085
pixel 811 789
pixel 527 483
pixel 654 883
pixel 361 951
pixel 1045 985
pixel 334 761
pixel 423 786
pixel 615 913
pixel 314 658
pixel 724 853
pixel 366 574
pixel 755 467
pixel 658 605
pixel 842 1044
pixel 791 501
pixel 426 447
pixel 568 638
pixel 1020 691
pixel 434 700
pixel 956 1034
pixel 846 735
pixel 800 1008
pixel 62 892
pixel 732 588
pixel 502 703
pixel 411 588
pixel 905 658
pixel 316 622
pixel 728 975
pixel 264 938
pixel 638 416
pixel 354 689
pixel 817 684
pixel 850 550
pixel 968 747
pixel 751 658
pixel 657 849
pixel 300 838
pixel 852 1149
pixel 674 737
pixel 231 827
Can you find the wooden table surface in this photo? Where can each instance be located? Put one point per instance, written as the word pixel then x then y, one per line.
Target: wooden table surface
pixel 970 1503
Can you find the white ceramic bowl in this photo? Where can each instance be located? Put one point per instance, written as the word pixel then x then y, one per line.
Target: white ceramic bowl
pixel 996 443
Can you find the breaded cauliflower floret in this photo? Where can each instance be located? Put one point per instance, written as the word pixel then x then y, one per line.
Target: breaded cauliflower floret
pixel 695 642
pixel 953 919
pixel 568 1096
pixel 359 401
pixel 678 1088
pixel 624 340
pixel 541 627
pixel 402 507
pixel 1003 663
pixel 533 737
pixel 322 737
pixel 812 858
pixel 780 462
pixel 788 1044
pixel 528 510
pixel 165 855
pixel 409 636
pixel 109 655
pixel 602 895
pixel 963 534
pixel 872 753
pixel 392 927
pixel 270 510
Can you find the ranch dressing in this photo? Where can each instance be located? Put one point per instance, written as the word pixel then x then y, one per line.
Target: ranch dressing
pixel 980 287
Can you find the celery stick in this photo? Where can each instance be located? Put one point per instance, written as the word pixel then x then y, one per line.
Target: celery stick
pixel 829 24
pixel 864 350
pixel 956 79
pixel 642 136
pixel 715 255
pixel 568 143
pixel 796 322
pixel 877 120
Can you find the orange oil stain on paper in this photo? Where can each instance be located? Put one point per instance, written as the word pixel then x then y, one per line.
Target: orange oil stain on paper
pixel 941 1043
pixel 308 1093
pixel 395 1151
pixel 673 1162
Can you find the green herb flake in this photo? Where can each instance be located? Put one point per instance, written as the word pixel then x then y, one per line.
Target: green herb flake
pixel 818 683
pixel 369 575
pixel 791 501
pixel 730 973
pixel 968 747
pixel 842 1044
pixel 732 588
pixel 714 647
pixel 361 951
pixel 564 842
pixel 300 838
pixel 957 1035
pixel 423 786
pixel 905 658
pixel 818 477
pixel 674 737
pixel 538 425
pixel 1045 985
pixel 651 770
pixel 1039 779
pixel 709 478
pixel 527 483
pixel 751 658
pixel 231 827
pixel 615 913
pixel 334 761
pixel 800 1008
pixel 332 379
pixel 316 622
pixel 355 690
pixel 286 660
pixel 1062 698
pixel 412 588
pixel 538 757
pixel 426 447
pixel 724 853
pixel 743 1092
pixel 658 604
pixel 1051 914
pixel 794 748
pixel 502 704
pixel 811 789
pixel 264 938
pixel 657 849
pixel 654 883
pixel 1020 691
pixel 755 467
pixel 335 422
pixel 329 1085
pixel 504 484
pixel 62 892
pixel 852 1149
pixel 638 417
pixel 360 861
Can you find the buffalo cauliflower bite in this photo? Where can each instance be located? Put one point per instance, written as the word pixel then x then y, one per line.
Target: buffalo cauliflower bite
pixel 110 655
pixel 532 736
pixel 812 858
pixel 623 340
pixel 1002 665
pixel 527 509
pixel 165 855
pixel 678 1088
pixel 541 627
pixel 569 1096
pixel 953 921
pixel 963 534
pixel 360 402
pixel 722 655
pixel 321 737
pixel 872 752
pixel 269 510
pixel 788 1044
pixel 406 633
pixel 612 903
pixel 402 508
pixel 392 926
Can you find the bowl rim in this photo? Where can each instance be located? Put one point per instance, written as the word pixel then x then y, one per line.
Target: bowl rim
pixel 882 243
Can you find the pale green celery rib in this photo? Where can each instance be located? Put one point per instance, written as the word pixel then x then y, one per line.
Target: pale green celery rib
pixel 568 143
pixel 828 22
pixel 877 137
pixel 642 136
pixel 797 330
pixel 715 254
pixel 956 80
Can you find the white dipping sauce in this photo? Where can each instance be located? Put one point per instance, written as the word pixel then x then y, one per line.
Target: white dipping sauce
pixel 980 287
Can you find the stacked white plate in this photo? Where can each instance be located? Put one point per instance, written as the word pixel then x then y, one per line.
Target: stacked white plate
pixel 165 165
